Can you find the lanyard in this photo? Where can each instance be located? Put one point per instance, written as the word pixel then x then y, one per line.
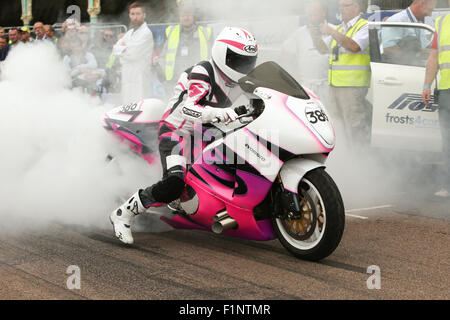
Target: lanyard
pixel 410 16
pixel 413 21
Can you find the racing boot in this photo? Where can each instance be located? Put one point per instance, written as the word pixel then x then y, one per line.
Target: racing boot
pixel 158 195
pixel 122 216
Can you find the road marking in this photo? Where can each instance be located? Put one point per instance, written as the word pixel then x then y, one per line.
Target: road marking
pixel 355 216
pixel 364 209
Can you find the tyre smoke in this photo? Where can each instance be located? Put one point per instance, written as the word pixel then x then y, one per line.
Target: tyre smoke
pixel 53 164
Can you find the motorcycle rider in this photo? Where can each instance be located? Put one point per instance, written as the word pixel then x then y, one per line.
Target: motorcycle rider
pixel 204 94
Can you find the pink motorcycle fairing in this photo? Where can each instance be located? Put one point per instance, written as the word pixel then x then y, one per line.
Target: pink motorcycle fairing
pixel 137 125
pixel 222 187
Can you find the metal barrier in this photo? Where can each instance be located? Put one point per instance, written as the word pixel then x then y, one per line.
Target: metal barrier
pixel 93 27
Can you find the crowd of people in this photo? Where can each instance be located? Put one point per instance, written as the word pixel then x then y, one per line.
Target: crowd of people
pixel 81 49
pixel 133 63
pixel 17 35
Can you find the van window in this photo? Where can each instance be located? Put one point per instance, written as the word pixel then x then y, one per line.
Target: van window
pixel 404 45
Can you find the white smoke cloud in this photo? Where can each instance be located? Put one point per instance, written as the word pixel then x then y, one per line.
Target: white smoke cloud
pixel 53 146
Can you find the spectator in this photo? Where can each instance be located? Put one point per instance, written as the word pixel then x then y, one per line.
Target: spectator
pixel 14 37
pixel 400 41
pixel 63 46
pixel 79 61
pixel 69 31
pixel 24 33
pixel 304 54
pixel 4 47
pixel 135 50
pixel 108 38
pixel 97 40
pixel 350 73
pixel 50 33
pixel 83 34
pixel 186 44
pixel 39 31
pixel 439 61
pixel 70 27
pixel 102 48
pixel 2 31
pixel 64 28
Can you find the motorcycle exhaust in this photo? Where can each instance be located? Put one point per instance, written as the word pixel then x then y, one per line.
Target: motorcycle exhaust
pixel 223 222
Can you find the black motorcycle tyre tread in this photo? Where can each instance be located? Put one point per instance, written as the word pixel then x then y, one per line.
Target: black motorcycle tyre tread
pixel 335 219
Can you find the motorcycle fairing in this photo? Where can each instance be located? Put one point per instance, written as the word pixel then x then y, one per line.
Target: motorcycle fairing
pixel 137 125
pixel 139 134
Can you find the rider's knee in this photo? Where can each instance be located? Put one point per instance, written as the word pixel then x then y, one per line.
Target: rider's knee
pixel 168 189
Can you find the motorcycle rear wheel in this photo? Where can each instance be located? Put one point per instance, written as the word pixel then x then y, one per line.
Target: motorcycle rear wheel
pixel 317 232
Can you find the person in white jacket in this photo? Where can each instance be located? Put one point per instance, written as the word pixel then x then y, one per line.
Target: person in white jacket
pixel 135 52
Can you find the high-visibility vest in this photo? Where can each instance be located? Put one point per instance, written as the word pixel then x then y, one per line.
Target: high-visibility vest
pixel 111 61
pixel 351 69
pixel 443 34
pixel 173 38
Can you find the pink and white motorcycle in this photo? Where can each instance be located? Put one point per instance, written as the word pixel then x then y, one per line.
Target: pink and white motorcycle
pixel 263 180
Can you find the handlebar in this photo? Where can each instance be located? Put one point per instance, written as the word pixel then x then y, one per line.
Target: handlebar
pixel 251 111
pixel 241 110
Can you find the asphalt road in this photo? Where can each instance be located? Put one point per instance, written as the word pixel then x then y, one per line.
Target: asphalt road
pixel 412 254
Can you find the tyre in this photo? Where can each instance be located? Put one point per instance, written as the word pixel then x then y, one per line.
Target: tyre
pixel 316 231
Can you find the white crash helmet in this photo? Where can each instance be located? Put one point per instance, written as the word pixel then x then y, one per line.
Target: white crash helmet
pixel 234 52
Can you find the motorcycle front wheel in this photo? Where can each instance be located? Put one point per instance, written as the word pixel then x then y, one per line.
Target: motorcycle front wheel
pixel 315 232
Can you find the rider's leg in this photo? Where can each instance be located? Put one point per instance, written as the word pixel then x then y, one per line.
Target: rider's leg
pixel 172 150
pixel 159 194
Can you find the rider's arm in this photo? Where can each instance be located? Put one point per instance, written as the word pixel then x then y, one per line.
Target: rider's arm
pixel 198 87
pixel 192 109
pixel 195 109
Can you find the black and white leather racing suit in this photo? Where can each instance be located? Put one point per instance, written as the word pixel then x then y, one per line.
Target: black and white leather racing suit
pixel 200 91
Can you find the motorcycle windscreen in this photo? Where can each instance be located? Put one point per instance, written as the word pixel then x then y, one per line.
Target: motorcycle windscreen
pixel 270 75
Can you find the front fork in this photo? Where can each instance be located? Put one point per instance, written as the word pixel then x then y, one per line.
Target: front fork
pixel 286 203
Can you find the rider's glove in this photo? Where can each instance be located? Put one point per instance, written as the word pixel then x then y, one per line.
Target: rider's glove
pixel 248 110
pixel 211 114
pixel 246 120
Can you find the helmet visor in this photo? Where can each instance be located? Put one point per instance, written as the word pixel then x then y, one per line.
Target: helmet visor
pixel 240 63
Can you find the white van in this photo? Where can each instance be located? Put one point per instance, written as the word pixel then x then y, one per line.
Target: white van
pixel 400 119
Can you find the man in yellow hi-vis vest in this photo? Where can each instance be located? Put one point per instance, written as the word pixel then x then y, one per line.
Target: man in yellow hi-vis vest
pixel 439 60
pixel 186 44
pixel 349 72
